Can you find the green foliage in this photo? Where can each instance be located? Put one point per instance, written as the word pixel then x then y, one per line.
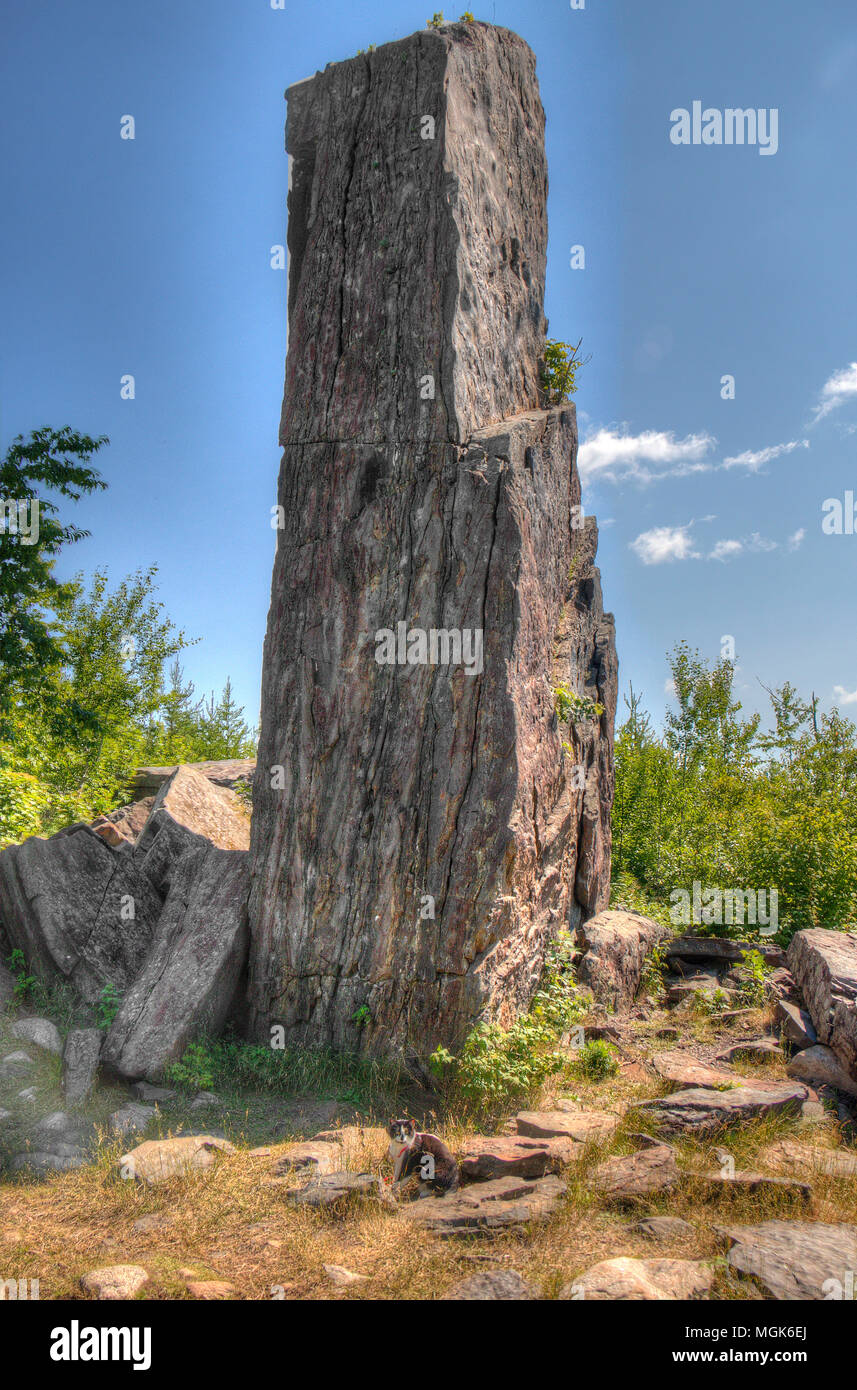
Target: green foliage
pixel 466 18
pixel 716 800
pixel 227 1064
pixel 436 21
pixel 107 1006
pixel 498 1065
pixel 753 990
pixel 25 984
pixel 560 365
pixel 573 708
pixel 195 1070
pixel 652 975
pixel 48 461
pixel 362 1017
pixel 597 1060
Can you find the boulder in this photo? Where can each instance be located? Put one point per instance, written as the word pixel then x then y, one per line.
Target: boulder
pixel 761 1049
pixel 132 1119
pixel 824 963
pixel 115 1282
pixel 616 945
pixel 52 1162
pixel 153 1095
pixel 699 1111
pixel 328 1190
pixel 662 1228
pixel 504 1203
pixel 316 1157
pixel 122 827
pixel 191 977
pixel 655 1281
pixel 795 1024
pixel 796 1261
pixel 580 1125
pixel 492 1286
pixel 189 812
pixel 721 949
pixel 15 1064
pixel 227 772
pixel 684 1070
pixel 39 1031
pixel 80 1063
pixel 79 910
pixel 158 1160
pixel 819 1066
pixel 516 1156
pixel 632 1176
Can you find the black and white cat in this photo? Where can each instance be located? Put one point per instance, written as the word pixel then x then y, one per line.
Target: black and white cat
pixel 425 1155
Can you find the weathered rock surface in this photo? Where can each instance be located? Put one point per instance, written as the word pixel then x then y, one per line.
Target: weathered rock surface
pixel 191 976
pixel 228 772
pixel 760 1049
pixel 15 1064
pixel 796 1024
pixel 631 1176
pixel 754 1184
pixel 124 826
pixel 488 1206
pixel 158 1160
pixel 796 1261
pixel 580 1125
pixel 80 1063
pixel 132 1118
pixel 189 812
pixel 115 1282
pixel 808 1158
pixel 824 964
pixel 39 1031
pixel 319 1157
pixel 616 945
pixel 65 903
pixel 493 1286
pixel 721 949
pixel 701 1111
pixel 819 1066
pixel 516 1156
pixel 327 1190
pixel 663 1228
pixel 684 1070
pixel 7 987
pixel 449 510
pixel 651 1280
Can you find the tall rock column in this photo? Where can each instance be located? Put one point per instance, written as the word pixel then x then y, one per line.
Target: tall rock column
pixel 423 823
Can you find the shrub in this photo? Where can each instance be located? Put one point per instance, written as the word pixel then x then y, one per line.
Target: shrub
pixel 597 1060
pixel 560 364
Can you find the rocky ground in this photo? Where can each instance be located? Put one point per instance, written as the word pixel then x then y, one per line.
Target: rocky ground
pixel 719 1162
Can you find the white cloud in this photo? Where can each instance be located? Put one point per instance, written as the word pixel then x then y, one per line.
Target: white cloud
pixel 614 455
pixel 663 544
pixel 796 540
pixel 753 460
pixel 845 697
pixel 726 550
pixel 838 388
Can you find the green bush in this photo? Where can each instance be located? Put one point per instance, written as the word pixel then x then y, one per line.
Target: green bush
pixel 597 1060
pixel 560 365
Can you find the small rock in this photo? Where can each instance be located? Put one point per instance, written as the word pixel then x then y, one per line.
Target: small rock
pixel 795 1024
pixel 796 1261
pixel 805 1158
pixel 516 1156
pixel 157 1160
pixel 342 1277
pixel 204 1101
pixel 488 1206
pixel 262 1152
pixel 5 1115
pixel 29 1095
pixel 80 1063
pixel 819 1066
pixel 760 1048
pixel 663 1228
pixel 754 1184
pixel 115 1281
pixel 153 1095
pixel 210 1290
pixel 581 1126
pixel 651 1280
pixel 15 1064
pixel 684 1070
pixel 331 1188
pixel 494 1286
pixel 321 1158
pixel 132 1118
pixel 637 1175
pixel 39 1031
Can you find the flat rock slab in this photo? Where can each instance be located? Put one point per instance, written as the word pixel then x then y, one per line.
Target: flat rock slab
pixel 820 1066
pixel 655 1281
pixel 488 1206
pixel 796 1261
pixel 755 1184
pixel 808 1158
pixel 158 1160
pixel 210 1290
pixel 190 810
pixel 329 1189
pixel 717 948
pixel 321 1158
pixel 494 1286
pixel 115 1282
pixel 700 1111
pixel 581 1125
pixel 637 1175
pixel 615 945
pixel 662 1228
pixel 684 1070
pixel 795 1024
pixel 516 1156
pixel 39 1031
pixel 761 1048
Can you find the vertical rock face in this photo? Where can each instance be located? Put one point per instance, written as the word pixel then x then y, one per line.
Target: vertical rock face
pixel 422 822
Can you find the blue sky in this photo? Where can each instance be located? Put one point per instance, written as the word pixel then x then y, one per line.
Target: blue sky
pixel 152 257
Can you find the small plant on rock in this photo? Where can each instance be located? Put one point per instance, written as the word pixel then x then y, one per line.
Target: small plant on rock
pixel 560 365
pixel 573 708
pixel 597 1060
pixel 753 990
pixel 25 984
pixel 436 21
pixel 107 1006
